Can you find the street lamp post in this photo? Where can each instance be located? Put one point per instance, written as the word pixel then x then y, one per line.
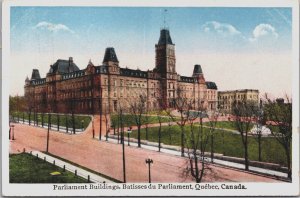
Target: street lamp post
pixel 128 135
pixel 149 161
pixel 13 132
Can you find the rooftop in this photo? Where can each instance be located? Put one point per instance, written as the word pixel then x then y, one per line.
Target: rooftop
pixel 63 66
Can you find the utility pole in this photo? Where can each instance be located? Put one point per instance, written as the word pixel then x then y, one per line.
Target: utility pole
pixel 100 108
pixel 123 147
pixel 49 119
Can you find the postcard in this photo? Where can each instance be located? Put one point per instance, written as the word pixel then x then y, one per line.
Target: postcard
pixel 150 98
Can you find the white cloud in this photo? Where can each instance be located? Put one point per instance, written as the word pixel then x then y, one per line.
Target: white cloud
pixel 53 27
pixel 223 29
pixel 264 30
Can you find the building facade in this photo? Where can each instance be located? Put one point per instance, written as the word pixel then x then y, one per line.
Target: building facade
pixel 226 98
pixel 67 89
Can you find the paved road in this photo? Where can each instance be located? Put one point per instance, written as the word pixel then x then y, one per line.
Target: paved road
pixel 106 157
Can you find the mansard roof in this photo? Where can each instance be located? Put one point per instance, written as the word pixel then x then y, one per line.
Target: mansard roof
pixel 165 37
pixel 63 66
pixel 102 69
pixel 211 85
pixel 197 69
pixel 110 55
pixel 133 73
pixel 74 74
pixel 35 74
pixel 187 79
pixel 38 81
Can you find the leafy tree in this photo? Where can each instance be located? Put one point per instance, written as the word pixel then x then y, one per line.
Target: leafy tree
pixel 279 116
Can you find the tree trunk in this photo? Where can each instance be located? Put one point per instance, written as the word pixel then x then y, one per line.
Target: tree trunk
pixel 147 131
pixel 139 135
pixel 42 119
pixel 67 124
pixel 182 143
pixel 259 148
pixel 73 122
pixel 246 155
pixel 212 148
pixel 288 160
pixel 159 137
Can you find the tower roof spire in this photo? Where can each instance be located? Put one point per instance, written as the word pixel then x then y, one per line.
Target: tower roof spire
pixel 165 15
pixel 165 37
pixel 110 55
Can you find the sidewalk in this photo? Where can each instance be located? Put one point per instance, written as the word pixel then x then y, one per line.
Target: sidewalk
pixel 53 127
pixel 173 151
pixel 80 172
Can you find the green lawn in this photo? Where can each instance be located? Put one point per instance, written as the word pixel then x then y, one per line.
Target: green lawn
pixel 25 168
pixel 55 118
pixel 226 125
pixel 128 120
pixel 272 151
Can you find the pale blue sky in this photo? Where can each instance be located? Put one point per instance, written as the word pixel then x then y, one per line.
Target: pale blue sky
pixel 45 34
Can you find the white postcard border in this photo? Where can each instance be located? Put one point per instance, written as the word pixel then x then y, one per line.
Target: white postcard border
pixel 267 189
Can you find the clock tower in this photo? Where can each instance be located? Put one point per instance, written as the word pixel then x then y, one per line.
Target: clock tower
pixel 165 63
pixel 165 55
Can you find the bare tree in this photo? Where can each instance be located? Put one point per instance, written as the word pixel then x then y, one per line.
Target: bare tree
pixel 259 122
pixel 196 143
pixel 212 120
pixel 159 118
pixel 107 127
pixel 244 114
pixel 71 107
pixel 137 109
pixel 279 115
pixel 183 107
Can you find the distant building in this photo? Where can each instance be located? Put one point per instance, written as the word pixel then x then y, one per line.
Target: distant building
pixel 66 88
pixel 226 98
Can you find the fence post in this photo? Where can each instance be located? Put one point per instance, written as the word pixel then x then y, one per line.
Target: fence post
pixel 30 152
pixel 88 178
pixel 24 150
pixel 37 155
pixel 64 169
pixel 53 162
pixel 44 158
pixel 75 172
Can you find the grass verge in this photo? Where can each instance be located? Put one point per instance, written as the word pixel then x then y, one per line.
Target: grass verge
pixel 225 143
pixel 25 168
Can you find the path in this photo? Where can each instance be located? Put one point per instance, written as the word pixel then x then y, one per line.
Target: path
pixel 106 157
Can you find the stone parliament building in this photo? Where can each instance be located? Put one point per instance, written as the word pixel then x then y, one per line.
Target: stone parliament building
pixel 67 89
